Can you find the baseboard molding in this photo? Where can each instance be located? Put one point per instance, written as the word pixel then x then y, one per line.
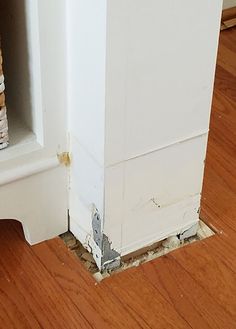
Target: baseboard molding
pixel 29 169
pixel 228 18
pixel 39 202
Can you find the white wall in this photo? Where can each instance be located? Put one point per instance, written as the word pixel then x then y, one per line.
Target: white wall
pixel 229 4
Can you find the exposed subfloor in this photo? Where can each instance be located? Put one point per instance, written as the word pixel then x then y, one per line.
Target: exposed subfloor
pixel 139 257
pixel 45 286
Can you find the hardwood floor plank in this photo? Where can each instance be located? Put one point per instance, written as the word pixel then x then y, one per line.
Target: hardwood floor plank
pixel 14 311
pixel 95 301
pixel 44 298
pixel 211 273
pixel 226 201
pixel 228 39
pixel 225 108
pixel 225 82
pixel 186 296
pixel 226 59
pixel 146 303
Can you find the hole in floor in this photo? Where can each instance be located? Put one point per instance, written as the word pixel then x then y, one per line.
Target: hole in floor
pixel 137 258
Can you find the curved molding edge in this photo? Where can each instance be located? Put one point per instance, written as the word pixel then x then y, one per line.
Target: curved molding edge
pixel 28 170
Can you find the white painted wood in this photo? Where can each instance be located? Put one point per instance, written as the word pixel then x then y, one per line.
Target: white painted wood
pixel 163 72
pixel 141 79
pixel 34 187
pixel 39 202
pixel 29 169
pixel 23 140
pixel 86 35
pixel 86 31
pixel 153 196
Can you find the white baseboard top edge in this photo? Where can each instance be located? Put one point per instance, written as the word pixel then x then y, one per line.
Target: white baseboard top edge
pixel 28 170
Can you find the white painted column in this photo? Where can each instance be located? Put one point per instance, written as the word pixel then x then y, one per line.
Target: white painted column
pixel 140 87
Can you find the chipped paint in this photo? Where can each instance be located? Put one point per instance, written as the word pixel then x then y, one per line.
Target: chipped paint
pixel 191 231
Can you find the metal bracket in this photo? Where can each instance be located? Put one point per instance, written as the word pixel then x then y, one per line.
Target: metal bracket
pixel 110 258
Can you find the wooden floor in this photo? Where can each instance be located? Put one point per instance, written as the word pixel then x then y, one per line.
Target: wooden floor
pixel 193 287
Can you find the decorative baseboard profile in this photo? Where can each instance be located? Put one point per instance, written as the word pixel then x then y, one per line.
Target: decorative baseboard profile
pixel 45 214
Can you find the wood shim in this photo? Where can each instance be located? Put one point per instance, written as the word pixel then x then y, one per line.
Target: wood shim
pixel 228 18
pixel 3 111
